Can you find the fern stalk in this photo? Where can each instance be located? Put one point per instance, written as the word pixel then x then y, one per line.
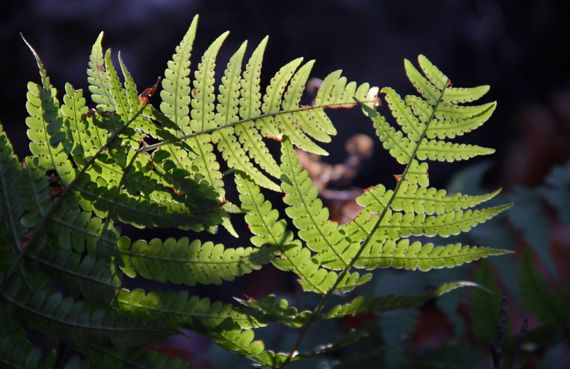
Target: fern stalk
pixel 32 236
pixel 251 119
pixel 319 308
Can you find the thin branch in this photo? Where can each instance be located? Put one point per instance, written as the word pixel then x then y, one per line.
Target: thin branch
pixel 497 347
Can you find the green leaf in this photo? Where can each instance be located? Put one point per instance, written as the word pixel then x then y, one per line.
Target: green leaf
pixel 175 93
pixel 547 306
pixel 408 255
pixel 309 215
pixel 365 304
pixel 98 78
pixel 189 263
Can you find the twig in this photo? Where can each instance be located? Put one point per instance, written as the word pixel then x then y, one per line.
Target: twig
pixel 497 347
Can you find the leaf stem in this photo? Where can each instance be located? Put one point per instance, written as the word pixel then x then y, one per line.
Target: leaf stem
pixel 251 119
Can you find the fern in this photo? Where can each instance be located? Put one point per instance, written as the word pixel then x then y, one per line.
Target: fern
pixel 91 172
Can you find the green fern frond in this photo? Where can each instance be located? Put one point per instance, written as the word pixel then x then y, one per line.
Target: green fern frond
pixel 228 327
pixel 59 316
pixel 365 304
pixel 273 309
pixel 45 131
pixel 436 150
pixel 408 255
pixel 250 106
pixel 85 138
pixel 11 209
pixel 90 277
pixel 180 308
pixel 128 162
pixel 189 263
pixel 269 230
pixel 131 90
pixel 419 200
pixel 175 91
pixel 116 87
pixel 98 79
pixel 227 112
pixel 243 342
pixel 309 215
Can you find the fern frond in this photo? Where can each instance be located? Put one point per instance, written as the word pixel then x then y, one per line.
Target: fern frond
pixel 11 209
pixel 179 308
pixel 436 150
pixel 45 131
pixel 396 225
pixel 313 277
pixel 91 277
pixel 227 326
pixel 273 96
pixel 309 215
pixel 273 309
pixel 116 87
pixel 85 138
pixel 403 114
pixel 58 316
pixel 243 342
pixel 408 255
pixel 131 91
pixel 421 200
pixel 250 106
pixel 202 115
pixel 364 304
pixel 98 79
pixel 291 125
pixel 453 120
pixel 457 95
pixel 269 230
pixel 70 227
pixel 164 212
pixel 189 263
pixel 175 93
pixel 227 112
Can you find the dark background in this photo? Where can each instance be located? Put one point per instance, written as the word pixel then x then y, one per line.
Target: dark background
pixel 519 47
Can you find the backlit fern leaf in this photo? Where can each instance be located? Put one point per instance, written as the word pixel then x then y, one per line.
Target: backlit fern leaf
pixel 60 316
pixel 189 263
pixel 125 163
pixel 269 230
pixel 10 203
pixel 99 83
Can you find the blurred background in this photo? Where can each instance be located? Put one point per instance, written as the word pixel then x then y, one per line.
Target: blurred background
pixel 520 47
